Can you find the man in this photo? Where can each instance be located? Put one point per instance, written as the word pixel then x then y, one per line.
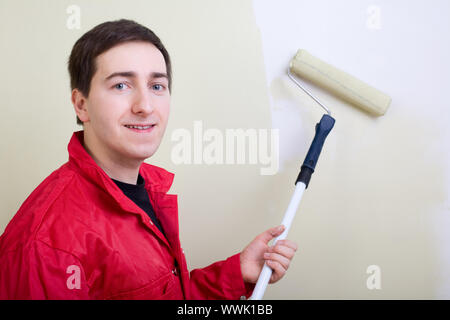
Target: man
pixel 102 226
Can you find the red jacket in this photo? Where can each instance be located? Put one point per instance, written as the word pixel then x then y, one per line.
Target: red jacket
pixel 77 236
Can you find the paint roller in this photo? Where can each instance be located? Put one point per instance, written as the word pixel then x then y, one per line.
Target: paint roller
pixel 348 88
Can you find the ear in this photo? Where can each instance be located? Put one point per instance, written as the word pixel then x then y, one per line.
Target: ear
pixel 79 104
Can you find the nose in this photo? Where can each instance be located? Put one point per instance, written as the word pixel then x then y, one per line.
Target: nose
pixel 142 102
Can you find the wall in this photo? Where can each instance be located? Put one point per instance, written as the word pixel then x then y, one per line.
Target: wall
pixel 380 194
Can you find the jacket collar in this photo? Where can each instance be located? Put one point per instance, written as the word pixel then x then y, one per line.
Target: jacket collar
pixel 156 179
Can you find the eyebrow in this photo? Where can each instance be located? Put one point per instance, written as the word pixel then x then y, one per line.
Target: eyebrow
pixel 131 74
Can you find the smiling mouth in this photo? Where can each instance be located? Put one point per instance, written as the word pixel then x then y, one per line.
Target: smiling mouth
pixel 141 128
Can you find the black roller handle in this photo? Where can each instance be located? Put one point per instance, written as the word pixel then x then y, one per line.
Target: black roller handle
pixel 323 128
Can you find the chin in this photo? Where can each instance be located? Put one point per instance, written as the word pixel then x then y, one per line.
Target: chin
pixel 143 154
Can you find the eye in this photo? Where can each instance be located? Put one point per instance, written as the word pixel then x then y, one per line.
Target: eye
pixel 120 86
pixel 158 87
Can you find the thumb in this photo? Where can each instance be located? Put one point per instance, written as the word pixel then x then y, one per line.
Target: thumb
pixel 268 235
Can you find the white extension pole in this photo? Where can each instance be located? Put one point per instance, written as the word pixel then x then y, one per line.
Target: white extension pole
pixel 266 272
pixel 323 128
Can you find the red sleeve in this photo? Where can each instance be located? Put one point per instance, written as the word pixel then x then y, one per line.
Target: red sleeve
pixel 38 271
pixel 221 280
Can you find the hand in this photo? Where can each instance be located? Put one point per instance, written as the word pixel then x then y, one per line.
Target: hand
pixel 257 252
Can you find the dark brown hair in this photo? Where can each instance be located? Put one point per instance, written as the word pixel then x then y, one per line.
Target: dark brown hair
pixel 101 38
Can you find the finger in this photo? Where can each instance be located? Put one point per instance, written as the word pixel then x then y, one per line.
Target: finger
pixel 278 258
pixel 268 235
pixel 278 270
pixel 288 243
pixel 282 250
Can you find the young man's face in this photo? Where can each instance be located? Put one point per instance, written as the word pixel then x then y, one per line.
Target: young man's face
pixel 129 88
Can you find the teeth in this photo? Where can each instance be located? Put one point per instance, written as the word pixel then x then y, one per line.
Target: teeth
pixel 139 127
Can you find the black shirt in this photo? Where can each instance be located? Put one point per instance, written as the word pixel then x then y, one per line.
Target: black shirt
pixel 138 194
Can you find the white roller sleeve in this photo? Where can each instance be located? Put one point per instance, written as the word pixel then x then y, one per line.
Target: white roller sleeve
pixel 339 83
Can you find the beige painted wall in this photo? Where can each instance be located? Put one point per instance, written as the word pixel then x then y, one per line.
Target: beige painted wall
pixel 368 203
pixel 218 79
